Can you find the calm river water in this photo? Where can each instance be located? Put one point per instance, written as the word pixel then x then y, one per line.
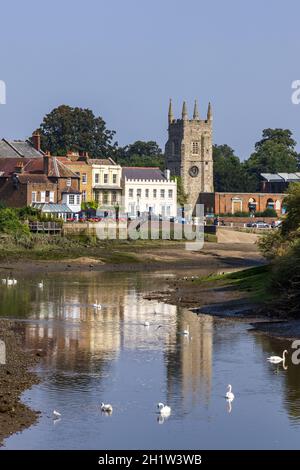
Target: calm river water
pixel 108 355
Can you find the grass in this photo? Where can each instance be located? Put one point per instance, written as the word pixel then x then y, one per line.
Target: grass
pixel 256 281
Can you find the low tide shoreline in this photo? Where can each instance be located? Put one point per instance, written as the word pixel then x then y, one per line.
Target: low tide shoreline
pixel 15 378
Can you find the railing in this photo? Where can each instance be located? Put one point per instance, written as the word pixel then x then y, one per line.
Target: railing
pixel 45 227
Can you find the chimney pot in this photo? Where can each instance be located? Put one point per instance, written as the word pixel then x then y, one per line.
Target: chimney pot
pixel 36 140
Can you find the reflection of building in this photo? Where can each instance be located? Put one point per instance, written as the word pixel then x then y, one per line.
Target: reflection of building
pixel 189 364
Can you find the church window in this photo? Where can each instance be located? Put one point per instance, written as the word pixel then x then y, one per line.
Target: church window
pixel 195 148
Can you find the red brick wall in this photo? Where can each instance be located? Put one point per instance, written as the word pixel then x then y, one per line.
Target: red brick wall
pixel 62 185
pixel 20 196
pixel 223 203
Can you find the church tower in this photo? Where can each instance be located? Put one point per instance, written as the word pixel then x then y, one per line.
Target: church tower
pixel 188 151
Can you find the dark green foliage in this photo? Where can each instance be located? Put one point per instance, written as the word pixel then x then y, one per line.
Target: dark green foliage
pixel 66 128
pixel 10 222
pixel 140 154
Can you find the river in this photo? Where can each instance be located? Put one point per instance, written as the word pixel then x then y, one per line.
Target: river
pixel 91 356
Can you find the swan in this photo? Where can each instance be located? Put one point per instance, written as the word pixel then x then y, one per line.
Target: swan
pixel 186 332
pixel 14 281
pixel 277 359
pixel 106 407
pixel 41 284
pixel 96 305
pixel 57 414
pixel 164 410
pixel 229 395
pixel 4 281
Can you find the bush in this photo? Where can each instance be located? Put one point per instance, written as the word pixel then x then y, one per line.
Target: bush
pixel 10 222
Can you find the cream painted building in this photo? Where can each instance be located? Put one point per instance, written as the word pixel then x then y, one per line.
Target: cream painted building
pixel 106 181
pixel 148 190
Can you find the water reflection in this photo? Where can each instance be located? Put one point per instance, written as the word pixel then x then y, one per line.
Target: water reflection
pixel 91 355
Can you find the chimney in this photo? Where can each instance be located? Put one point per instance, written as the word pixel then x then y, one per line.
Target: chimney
pixel 19 167
pixel 167 174
pixel 36 140
pixel 46 159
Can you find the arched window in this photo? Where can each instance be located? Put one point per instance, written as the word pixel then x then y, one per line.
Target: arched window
pixel 252 204
pixel 270 204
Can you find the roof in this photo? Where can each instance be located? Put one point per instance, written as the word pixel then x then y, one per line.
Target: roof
pixel 29 178
pixel 143 173
pixel 102 161
pixel 51 207
pixel 59 169
pixel 70 190
pixel 281 177
pixel 18 148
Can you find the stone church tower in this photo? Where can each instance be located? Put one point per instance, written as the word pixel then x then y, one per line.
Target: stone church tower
pixel 188 152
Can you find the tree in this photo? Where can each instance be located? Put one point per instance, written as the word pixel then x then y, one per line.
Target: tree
pixel 274 153
pixel 182 197
pixel 66 128
pixel 230 174
pixel 140 153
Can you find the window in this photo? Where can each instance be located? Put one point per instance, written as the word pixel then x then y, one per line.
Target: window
pixel 84 178
pixel 168 210
pixel 96 178
pixel 146 192
pixel 105 197
pixel 71 199
pixel 114 179
pixel 69 182
pixel 130 192
pixel 105 178
pixel 175 147
pixel 96 196
pixel 33 196
pixel 84 195
pixel 43 196
pixel 114 196
pixel 170 193
pixel 138 192
pixel 195 148
pixel 51 196
pixel 78 199
pixel 162 193
pixel 154 193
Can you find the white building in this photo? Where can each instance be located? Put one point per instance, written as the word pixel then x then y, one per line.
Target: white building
pixel 72 199
pixel 148 190
pixel 106 181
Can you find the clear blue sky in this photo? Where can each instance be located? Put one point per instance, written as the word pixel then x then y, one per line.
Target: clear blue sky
pixel 125 58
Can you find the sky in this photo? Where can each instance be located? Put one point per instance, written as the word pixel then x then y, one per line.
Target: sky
pixel 124 59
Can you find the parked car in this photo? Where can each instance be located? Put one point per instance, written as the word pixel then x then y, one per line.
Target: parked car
pixel 250 224
pixel 276 223
pixel 261 224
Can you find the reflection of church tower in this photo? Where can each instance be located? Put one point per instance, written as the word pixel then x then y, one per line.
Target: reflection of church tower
pixel 189 151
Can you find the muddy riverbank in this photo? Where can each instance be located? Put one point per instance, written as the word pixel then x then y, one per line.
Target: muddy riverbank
pixel 15 378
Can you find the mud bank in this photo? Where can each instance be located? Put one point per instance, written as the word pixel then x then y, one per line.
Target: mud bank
pixel 15 378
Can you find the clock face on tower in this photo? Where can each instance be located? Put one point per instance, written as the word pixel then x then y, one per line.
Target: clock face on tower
pixel 194 171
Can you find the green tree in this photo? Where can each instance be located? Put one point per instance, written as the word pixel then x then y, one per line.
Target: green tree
pixel 66 128
pixel 182 197
pixel 230 174
pixel 140 153
pixel 274 153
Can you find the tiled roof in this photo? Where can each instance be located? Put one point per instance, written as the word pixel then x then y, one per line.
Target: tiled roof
pixel 29 178
pixel 101 161
pixel 70 190
pixel 143 173
pixel 59 169
pixel 18 148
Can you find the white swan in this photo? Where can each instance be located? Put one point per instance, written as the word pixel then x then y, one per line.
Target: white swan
pixel 164 410
pixel 229 395
pixel 106 407
pixel 186 332
pixel 4 281
pixel 96 305
pixel 57 414
pixel 11 282
pixel 277 359
pixel 41 284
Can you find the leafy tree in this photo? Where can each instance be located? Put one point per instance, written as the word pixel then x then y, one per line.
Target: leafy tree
pixel 230 174
pixel 291 222
pixel 274 153
pixel 140 153
pixel 10 223
pixel 66 128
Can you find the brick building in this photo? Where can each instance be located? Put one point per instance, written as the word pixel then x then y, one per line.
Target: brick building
pixel 230 203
